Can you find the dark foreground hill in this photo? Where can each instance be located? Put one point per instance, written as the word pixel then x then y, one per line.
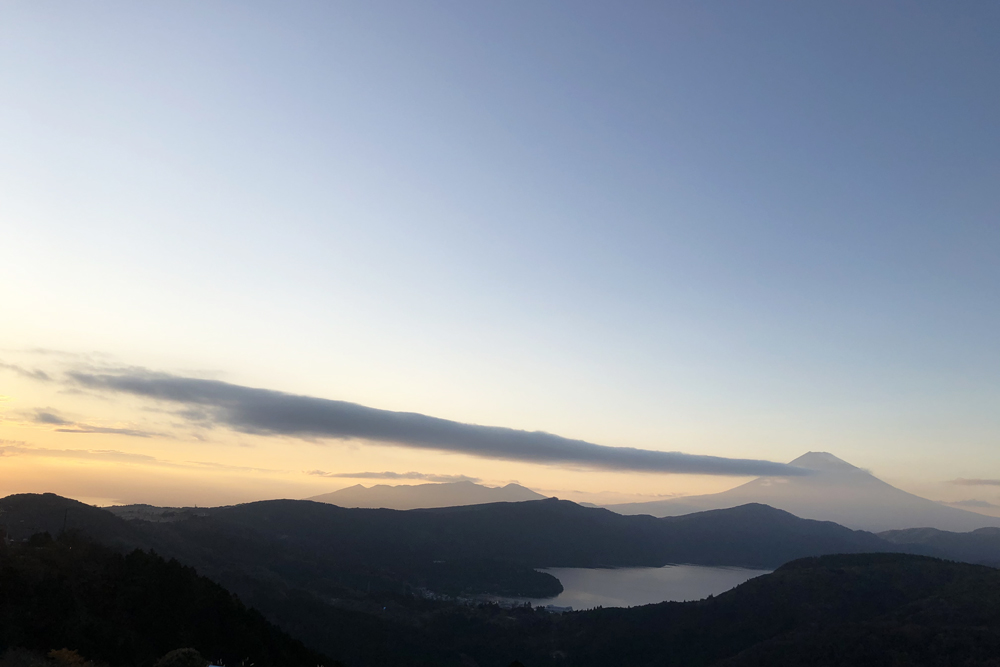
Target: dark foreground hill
pixel 849 610
pixel 845 610
pixel 128 610
pixel 363 586
pixel 859 610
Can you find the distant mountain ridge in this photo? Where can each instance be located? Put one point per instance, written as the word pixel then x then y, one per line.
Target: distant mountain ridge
pixel 420 496
pixel 836 491
pixel 531 534
pixel 980 546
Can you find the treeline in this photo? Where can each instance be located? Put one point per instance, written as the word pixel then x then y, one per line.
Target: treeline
pixel 71 603
pixel 129 609
pixel 834 611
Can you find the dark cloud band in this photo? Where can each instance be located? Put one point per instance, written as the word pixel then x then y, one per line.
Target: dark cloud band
pixel 32 374
pixel 263 411
pixel 50 418
pixel 981 504
pixel 976 482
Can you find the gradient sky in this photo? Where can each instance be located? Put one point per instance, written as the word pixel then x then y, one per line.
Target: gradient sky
pixel 742 230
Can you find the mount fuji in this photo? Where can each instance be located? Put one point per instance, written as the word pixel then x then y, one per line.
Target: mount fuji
pixel 836 491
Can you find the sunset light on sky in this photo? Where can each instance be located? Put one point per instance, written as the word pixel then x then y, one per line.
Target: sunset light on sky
pixel 239 239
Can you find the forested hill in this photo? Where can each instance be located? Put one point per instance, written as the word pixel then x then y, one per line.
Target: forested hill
pixel 543 533
pixel 26 514
pixel 491 548
pixel 129 609
pixel 980 546
pixel 351 583
pixel 846 611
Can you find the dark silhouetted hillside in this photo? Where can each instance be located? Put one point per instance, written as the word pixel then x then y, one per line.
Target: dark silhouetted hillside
pixel 26 514
pixel 354 583
pixel 845 610
pixel 978 546
pixel 544 533
pixel 128 610
pixel 430 547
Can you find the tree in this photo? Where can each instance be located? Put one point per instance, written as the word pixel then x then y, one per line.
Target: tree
pixel 182 657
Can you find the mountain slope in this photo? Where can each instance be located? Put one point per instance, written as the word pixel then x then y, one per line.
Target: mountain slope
pixel 128 610
pixel 543 533
pixel 844 610
pixel 979 546
pixel 299 541
pixel 857 610
pixel 25 514
pixel 407 497
pixel 348 581
pixel 837 491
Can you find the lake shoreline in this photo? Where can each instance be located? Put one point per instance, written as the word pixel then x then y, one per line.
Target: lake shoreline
pixel 588 588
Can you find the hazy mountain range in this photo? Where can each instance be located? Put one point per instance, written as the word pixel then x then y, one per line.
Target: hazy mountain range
pixel 837 491
pixel 414 496
pixel 977 546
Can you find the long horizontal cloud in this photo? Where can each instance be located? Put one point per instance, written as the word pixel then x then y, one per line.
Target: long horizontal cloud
pixel 85 454
pixel 18 448
pixel 263 411
pixel 33 374
pixel 976 482
pixel 973 503
pixel 50 418
pixel 106 430
pixel 425 476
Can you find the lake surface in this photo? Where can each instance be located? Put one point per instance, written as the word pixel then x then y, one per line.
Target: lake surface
pixel 586 588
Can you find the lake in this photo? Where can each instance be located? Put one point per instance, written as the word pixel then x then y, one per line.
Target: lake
pixel 586 588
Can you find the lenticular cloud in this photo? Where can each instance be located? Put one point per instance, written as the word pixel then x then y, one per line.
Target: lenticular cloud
pixel 263 411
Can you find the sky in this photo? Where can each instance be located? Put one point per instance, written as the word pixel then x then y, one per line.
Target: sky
pixel 238 240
